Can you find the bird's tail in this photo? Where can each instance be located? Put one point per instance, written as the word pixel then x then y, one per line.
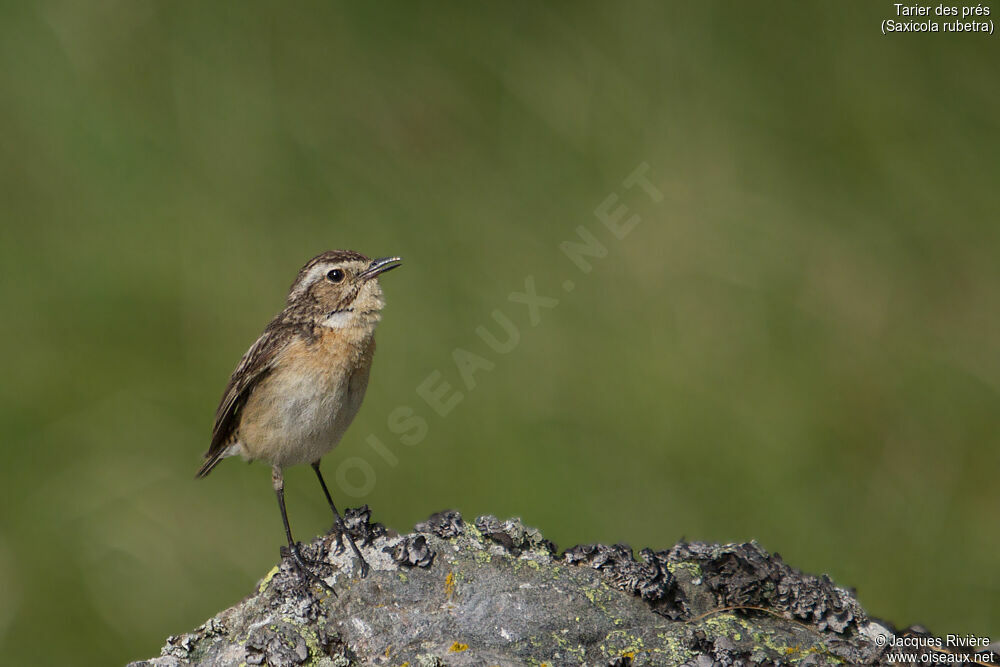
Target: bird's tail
pixel 211 460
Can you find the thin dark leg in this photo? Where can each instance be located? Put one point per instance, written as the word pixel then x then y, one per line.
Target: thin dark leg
pixel 293 547
pixel 339 522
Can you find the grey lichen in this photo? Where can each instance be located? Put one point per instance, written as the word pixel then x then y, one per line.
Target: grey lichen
pixel 443 524
pixel 514 536
pixel 412 551
pixel 497 593
pixel 276 644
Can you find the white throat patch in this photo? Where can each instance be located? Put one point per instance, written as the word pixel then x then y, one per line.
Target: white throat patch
pixel 340 319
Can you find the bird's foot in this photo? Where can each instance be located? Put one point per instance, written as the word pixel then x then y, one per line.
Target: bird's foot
pixel 341 532
pixel 363 567
pixel 301 557
pixel 302 564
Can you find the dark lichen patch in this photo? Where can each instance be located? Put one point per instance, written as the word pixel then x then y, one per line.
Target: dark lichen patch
pixel 650 579
pixel 744 575
pixel 446 524
pixel 411 551
pixel 357 522
pixel 513 535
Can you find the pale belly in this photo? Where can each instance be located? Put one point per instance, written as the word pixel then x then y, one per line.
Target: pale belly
pixel 298 415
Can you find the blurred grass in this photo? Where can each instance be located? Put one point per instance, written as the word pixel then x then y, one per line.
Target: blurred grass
pixel 799 345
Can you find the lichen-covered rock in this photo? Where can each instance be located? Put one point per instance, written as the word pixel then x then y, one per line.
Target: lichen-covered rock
pixel 443 524
pixel 496 593
pixel 651 580
pixel 747 576
pixel 358 522
pixel 412 551
pixel 513 535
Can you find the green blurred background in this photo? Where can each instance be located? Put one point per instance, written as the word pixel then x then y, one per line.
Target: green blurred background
pixel 799 344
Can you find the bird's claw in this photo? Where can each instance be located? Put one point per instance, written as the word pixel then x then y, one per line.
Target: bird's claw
pixel 341 532
pixel 302 565
pixel 313 562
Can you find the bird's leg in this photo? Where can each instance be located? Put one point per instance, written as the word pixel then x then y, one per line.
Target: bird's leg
pixel 293 548
pixel 338 523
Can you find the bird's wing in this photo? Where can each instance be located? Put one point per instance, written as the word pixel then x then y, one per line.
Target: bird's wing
pixel 258 361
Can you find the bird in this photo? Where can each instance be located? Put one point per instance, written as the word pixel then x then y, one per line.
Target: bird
pixel 299 386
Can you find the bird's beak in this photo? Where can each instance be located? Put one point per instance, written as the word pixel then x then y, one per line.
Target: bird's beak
pixel 380 265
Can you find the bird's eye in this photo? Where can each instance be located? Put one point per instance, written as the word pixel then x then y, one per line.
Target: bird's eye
pixel 335 275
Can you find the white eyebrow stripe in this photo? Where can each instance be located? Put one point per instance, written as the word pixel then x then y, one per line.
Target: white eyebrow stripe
pixel 315 272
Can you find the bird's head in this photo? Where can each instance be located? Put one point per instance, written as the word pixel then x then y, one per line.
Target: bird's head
pixel 339 289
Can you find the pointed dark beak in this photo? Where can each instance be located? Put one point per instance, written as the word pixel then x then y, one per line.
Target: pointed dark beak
pixel 379 266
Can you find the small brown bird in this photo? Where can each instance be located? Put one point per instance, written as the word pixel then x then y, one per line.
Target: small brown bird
pixel 299 386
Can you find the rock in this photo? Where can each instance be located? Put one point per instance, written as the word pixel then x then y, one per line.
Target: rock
pixel 498 593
